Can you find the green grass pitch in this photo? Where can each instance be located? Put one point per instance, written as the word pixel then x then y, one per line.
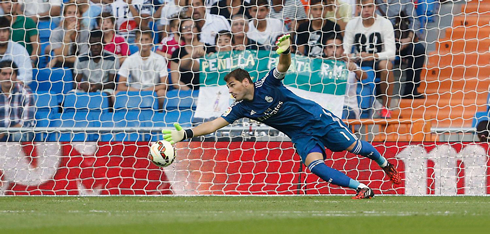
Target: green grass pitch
pixel 246 214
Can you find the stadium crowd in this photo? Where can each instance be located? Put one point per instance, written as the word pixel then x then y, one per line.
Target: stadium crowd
pixel 116 46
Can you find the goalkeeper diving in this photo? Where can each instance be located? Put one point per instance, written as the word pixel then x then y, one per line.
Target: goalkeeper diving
pixel 310 127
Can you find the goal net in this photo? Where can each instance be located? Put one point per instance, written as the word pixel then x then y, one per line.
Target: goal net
pixel 87 90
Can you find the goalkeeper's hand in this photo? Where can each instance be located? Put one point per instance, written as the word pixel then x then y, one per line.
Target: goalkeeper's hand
pixel 283 44
pixel 174 136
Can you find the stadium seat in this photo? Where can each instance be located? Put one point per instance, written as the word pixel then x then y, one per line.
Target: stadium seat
pixel 117 120
pixel 488 102
pixel 72 120
pixel 167 120
pixel 181 100
pixel 90 105
pixel 156 35
pixel 45 28
pixel 46 108
pixel 426 9
pixel 366 93
pixel 480 116
pixel 58 81
pixel 136 105
pixel 133 48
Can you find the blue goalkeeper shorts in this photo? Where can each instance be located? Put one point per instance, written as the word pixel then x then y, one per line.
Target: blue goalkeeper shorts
pixel 333 135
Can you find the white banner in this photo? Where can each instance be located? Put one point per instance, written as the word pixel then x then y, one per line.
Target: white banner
pixel 213 101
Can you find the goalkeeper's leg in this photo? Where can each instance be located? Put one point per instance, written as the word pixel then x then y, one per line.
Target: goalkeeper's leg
pixel 317 166
pixel 367 150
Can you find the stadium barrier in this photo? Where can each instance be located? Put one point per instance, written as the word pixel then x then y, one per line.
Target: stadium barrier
pixel 233 168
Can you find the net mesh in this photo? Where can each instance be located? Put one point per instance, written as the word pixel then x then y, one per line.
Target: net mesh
pixel 95 82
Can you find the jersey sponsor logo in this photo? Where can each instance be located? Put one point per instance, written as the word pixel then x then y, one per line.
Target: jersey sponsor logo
pixel 252 112
pixel 270 112
pixel 268 99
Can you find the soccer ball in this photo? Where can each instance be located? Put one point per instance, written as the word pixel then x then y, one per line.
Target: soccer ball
pixel 162 153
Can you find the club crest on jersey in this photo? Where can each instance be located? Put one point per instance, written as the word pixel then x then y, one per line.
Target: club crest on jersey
pixel 268 99
pixel 252 112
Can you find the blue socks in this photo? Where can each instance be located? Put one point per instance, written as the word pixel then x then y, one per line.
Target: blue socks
pixel 331 175
pixel 367 150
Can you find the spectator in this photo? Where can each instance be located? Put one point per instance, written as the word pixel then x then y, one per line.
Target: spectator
pixel 144 70
pixel 338 12
pixel 17 103
pixel 311 34
pixel 41 9
pixel 89 11
pixel 291 12
pixel 96 70
pixel 171 10
pixel 335 51
pixel 183 62
pixel 170 43
pixel 10 50
pixel 224 41
pixel 228 8
pixel 209 24
pixel 483 131
pixel 239 29
pixel 105 5
pixel 263 29
pixel 24 30
pixel 68 40
pixel 113 43
pixel 371 38
pixel 401 14
pixel 130 14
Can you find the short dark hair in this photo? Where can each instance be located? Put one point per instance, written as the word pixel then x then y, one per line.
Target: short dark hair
pixel 106 15
pixel 239 74
pixel 259 3
pixel 222 33
pixel 144 31
pixel 332 36
pixel 358 2
pixel 483 130
pixel 96 34
pixel 4 22
pixel 9 64
pixel 314 2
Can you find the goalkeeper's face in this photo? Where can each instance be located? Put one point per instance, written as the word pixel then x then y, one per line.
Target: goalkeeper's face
pixel 240 90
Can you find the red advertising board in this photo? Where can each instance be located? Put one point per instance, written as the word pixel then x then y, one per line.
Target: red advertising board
pixel 233 168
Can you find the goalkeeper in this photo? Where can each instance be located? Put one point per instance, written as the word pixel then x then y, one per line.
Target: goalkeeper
pixel 310 127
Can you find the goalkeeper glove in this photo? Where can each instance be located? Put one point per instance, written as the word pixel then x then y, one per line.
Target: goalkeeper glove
pixel 177 135
pixel 283 44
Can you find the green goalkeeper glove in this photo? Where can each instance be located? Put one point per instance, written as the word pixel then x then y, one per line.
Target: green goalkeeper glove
pixel 283 44
pixel 174 136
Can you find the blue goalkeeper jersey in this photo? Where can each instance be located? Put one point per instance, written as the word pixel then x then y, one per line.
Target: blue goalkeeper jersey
pixel 278 107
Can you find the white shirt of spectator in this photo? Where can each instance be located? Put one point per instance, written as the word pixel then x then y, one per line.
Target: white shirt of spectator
pixel 213 24
pixel 275 28
pixel 292 9
pixel 382 26
pixel 120 10
pixel 18 54
pixel 144 73
pixel 34 7
pixel 351 93
pixel 96 73
pixel 169 11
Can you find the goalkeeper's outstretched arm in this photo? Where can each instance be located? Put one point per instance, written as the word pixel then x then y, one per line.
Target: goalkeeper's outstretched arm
pixel 283 49
pixel 179 134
